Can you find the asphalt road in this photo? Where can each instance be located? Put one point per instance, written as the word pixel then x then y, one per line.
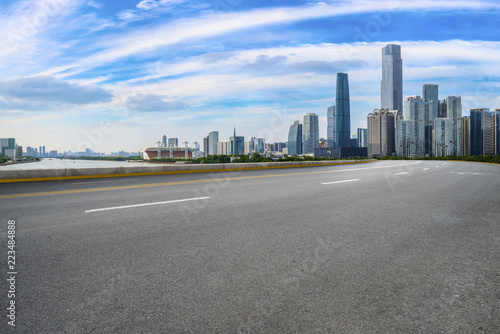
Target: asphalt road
pixel 382 247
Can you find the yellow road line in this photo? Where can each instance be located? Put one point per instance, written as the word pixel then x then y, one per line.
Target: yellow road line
pixel 75 191
pixel 60 178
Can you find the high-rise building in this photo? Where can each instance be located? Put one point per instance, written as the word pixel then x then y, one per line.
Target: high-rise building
pixel 362 138
pixel 330 116
pixel 403 135
pixel 465 135
pixel 482 131
pixel 8 147
pixel 454 113
pixel 442 137
pixel 164 141
pixel 342 122
pixel 205 146
pixel 392 78
pixel 380 133
pixel 430 93
pixel 224 147
pixel 173 142
pixel 417 111
pixel 237 144
pixel 213 139
pixel 442 109
pixel 295 139
pixel 310 133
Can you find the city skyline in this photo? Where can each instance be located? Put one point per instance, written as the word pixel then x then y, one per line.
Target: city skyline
pixel 122 74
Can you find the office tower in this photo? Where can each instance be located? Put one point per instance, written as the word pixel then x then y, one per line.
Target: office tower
pixel 43 152
pixel 164 141
pixel 237 144
pixel 482 131
pixel 381 133
pixel 8 147
pixel 454 113
pixel 442 137
pixel 403 135
pixel 362 138
pixel 259 145
pixel 205 146
pixel 465 135
pixel 213 139
pixel 310 133
pixel 430 93
pixel 295 139
pixel 392 78
pixel 342 130
pixel 442 109
pixel 330 115
pixel 354 140
pixel 173 142
pixel 417 112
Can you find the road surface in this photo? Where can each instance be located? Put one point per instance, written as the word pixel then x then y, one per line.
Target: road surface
pixel 382 247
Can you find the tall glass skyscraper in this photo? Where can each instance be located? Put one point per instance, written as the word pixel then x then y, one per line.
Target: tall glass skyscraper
pixel 342 130
pixel 311 133
pixel 213 139
pixel 454 111
pixel 392 78
pixel 295 139
pixel 430 92
pixel 330 116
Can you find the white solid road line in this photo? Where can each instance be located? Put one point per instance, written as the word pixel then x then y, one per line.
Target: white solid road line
pixel 467 173
pixel 341 181
pixel 105 181
pixel 425 169
pixel 401 173
pixel 146 204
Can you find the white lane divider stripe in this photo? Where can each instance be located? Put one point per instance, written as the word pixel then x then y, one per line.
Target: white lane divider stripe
pixel 401 173
pixel 146 204
pixel 425 169
pixel 341 181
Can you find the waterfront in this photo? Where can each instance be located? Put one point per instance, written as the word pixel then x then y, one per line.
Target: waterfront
pixel 48 163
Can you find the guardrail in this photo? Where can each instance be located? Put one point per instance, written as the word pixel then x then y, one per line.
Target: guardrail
pixel 79 173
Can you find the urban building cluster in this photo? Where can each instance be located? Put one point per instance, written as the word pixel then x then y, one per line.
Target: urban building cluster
pixel 11 149
pixel 425 125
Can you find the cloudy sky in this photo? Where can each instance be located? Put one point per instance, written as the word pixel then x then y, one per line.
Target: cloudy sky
pixel 119 74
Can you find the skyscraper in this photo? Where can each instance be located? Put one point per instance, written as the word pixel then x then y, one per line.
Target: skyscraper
pixel 465 134
pixel 430 93
pixel 380 133
pixel 392 78
pixel 482 131
pixel 295 139
pixel 342 130
pixel 164 141
pixel 442 137
pixel 330 115
pixel 454 111
pixel 311 133
pixel 442 109
pixel 213 139
pixel 237 144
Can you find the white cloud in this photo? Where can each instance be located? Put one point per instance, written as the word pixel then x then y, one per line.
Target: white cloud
pixel 36 92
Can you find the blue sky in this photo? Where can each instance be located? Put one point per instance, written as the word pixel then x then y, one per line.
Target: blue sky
pixel 113 75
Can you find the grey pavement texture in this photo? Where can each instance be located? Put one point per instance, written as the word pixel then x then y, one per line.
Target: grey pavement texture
pixel 408 247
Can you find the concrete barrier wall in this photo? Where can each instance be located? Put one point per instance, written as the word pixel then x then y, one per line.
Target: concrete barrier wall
pixel 68 173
